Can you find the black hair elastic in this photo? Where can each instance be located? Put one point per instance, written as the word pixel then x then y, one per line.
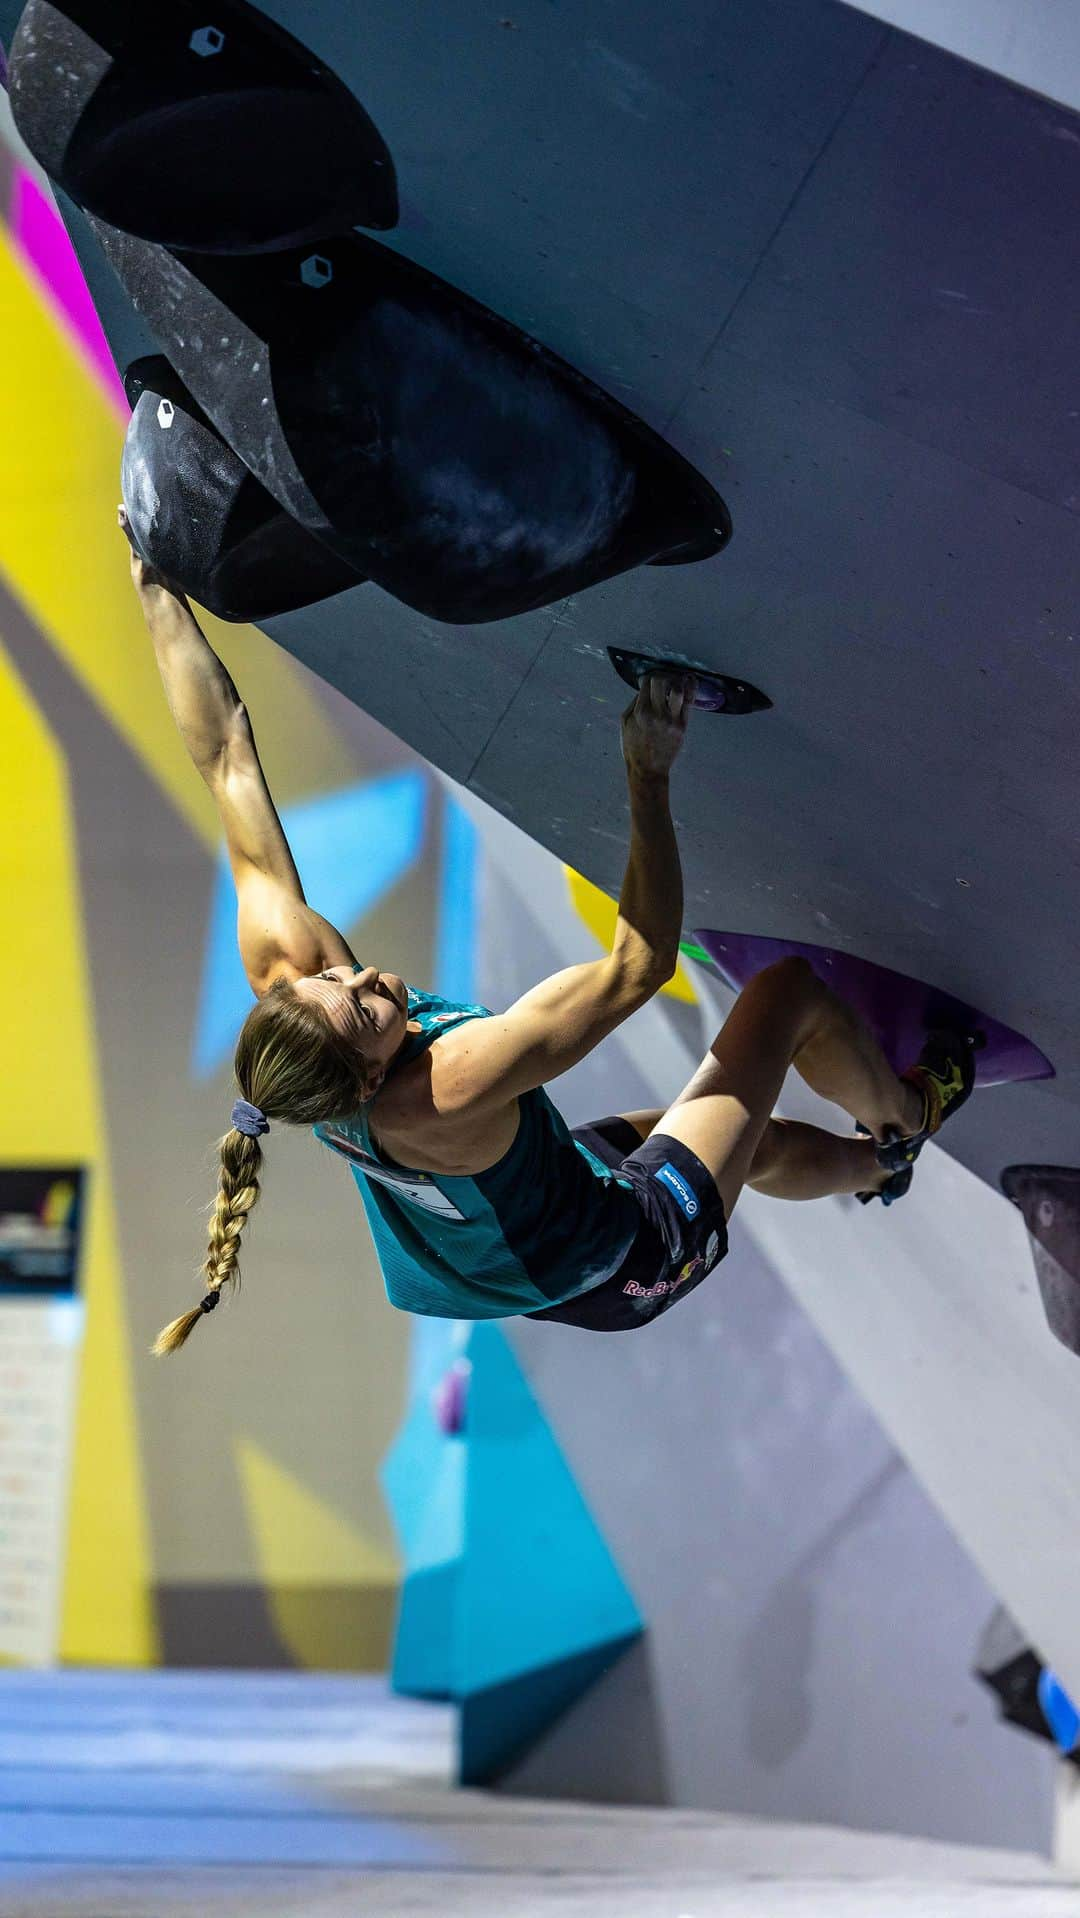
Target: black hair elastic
pixel 210 1300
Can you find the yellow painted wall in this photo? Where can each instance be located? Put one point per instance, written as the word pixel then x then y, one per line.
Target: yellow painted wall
pixel 50 1062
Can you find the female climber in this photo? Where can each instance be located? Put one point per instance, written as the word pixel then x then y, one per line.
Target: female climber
pixel 481 1201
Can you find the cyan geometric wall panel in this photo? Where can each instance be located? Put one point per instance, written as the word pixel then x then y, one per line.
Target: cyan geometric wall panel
pixel 542 1608
pixel 350 847
pixel 512 1603
pixel 540 1584
pixel 423 1482
pixel 423 1655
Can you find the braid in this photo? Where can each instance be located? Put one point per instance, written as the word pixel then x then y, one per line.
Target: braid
pixel 291 1065
pixel 238 1191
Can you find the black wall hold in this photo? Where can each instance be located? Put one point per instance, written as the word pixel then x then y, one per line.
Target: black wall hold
pixel 715 692
pixel 197 125
pixel 203 520
pixel 1008 1665
pixel 442 452
pixel 1049 1198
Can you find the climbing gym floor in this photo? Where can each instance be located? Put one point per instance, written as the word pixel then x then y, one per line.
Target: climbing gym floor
pixel 164 1794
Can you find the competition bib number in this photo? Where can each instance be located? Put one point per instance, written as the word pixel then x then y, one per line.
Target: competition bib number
pixel 418 1188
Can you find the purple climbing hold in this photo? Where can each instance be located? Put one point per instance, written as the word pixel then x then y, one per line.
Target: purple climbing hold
pixel 899 1010
pixel 450 1399
pixel 715 692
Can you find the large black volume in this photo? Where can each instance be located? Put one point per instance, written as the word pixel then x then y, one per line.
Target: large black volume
pixel 200 126
pixel 445 454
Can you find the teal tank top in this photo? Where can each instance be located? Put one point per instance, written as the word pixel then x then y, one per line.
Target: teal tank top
pixel 545 1223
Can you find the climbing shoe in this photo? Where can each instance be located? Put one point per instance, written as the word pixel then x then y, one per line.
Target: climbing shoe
pixel 945 1075
pixel 893 1188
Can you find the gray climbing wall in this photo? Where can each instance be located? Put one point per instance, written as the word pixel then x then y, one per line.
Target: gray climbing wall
pixel 811 1617
pixel 1036 42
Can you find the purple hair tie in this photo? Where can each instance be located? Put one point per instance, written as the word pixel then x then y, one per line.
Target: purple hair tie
pixel 248 1119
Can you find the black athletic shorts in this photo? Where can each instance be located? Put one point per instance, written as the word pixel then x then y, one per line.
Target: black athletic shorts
pixel 682 1235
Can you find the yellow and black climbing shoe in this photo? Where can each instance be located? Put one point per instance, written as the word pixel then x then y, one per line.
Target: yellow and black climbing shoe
pixel 945 1075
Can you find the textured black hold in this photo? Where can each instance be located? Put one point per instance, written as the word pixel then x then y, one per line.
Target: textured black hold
pixel 1009 1666
pixel 203 520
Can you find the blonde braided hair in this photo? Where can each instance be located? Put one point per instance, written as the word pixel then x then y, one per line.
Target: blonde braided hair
pixel 238 1190
pixel 293 1066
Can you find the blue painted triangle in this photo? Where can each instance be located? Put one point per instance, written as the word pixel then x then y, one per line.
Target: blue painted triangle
pixel 539 1586
pixel 350 847
pixel 1059 1711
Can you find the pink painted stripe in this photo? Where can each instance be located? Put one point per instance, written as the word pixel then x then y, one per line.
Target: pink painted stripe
pixel 41 238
